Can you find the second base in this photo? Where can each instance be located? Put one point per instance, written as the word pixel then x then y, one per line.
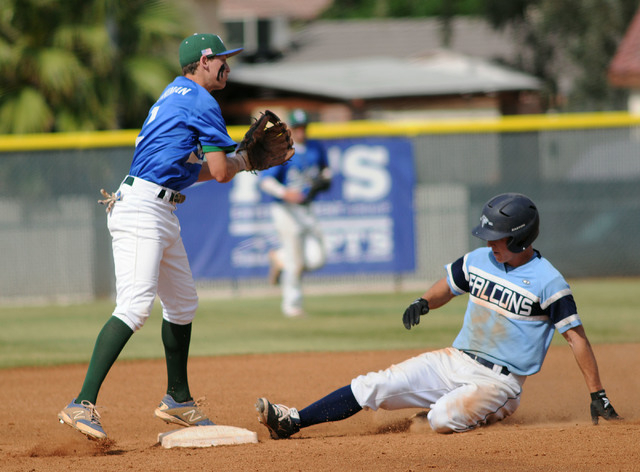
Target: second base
pixel 206 436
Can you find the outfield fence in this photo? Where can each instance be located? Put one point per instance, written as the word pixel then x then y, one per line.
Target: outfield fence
pixel 583 171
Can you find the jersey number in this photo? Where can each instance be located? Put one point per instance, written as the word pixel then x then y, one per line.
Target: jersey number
pixel 152 116
pixel 153 113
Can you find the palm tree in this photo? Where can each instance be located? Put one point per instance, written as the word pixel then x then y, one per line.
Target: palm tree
pixel 84 64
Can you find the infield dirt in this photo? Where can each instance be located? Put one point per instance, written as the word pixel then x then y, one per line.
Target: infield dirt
pixel 551 431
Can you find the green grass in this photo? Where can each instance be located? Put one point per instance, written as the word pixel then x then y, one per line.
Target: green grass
pixel 35 336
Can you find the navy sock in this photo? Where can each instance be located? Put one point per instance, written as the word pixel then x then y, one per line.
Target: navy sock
pixel 336 406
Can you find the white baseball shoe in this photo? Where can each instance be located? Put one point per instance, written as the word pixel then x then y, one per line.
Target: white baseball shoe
pixel 184 414
pixel 84 417
pixel 294 313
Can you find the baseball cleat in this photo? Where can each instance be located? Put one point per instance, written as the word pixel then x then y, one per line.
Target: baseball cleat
pixel 84 417
pixel 281 420
pixel 184 414
pixel 294 313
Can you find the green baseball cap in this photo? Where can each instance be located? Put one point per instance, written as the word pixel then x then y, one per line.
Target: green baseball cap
pixel 198 45
pixel 298 117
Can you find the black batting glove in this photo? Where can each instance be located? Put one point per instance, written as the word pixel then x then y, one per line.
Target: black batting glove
pixel 413 313
pixel 601 406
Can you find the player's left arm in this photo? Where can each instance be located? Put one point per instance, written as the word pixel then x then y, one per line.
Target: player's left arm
pixel 325 170
pixel 220 167
pixel 326 174
pixel 586 359
pixel 581 347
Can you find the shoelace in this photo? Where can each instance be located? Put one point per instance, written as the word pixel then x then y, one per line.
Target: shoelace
pixel 93 412
pixel 109 199
pixel 199 402
pixel 281 411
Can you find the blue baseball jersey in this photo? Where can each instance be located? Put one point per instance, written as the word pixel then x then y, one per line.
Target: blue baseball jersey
pixel 182 125
pixel 300 171
pixel 512 312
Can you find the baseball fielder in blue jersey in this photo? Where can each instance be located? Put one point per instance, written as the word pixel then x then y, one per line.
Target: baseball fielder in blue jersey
pixel 183 140
pixel 517 299
pixel 293 188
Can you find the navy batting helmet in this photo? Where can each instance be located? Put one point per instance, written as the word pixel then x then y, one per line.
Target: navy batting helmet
pixel 509 215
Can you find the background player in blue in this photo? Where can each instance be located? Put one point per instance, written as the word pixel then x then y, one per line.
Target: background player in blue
pixel 516 301
pixel 293 188
pixel 183 140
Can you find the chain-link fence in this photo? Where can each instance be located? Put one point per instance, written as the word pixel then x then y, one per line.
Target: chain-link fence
pixel 584 177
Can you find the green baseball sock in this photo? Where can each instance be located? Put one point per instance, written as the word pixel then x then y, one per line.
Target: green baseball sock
pixel 176 340
pixel 110 342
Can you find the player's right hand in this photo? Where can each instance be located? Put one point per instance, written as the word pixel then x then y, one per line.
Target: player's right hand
pixel 293 196
pixel 412 314
pixel 601 406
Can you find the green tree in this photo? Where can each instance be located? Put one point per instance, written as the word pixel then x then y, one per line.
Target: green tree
pixel 568 39
pixel 84 64
pixel 591 32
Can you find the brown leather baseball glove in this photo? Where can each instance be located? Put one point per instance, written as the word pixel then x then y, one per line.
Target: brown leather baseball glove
pixel 267 143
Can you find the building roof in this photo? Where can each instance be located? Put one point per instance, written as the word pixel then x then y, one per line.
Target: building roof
pixel 367 59
pixel 300 10
pixel 442 73
pixel 624 70
pixel 341 39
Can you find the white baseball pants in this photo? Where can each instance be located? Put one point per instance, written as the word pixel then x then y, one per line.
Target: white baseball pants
pixel 460 393
pixel 149 257
pixel 302 249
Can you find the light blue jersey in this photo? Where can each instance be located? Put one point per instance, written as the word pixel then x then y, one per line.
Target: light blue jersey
pixel 512 312
pixel 183 124
pixel 299 172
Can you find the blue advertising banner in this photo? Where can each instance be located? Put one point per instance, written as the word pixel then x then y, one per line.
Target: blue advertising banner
pixel 366 216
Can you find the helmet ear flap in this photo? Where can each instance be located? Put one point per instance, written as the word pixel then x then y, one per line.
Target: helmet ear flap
pixel 519 243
